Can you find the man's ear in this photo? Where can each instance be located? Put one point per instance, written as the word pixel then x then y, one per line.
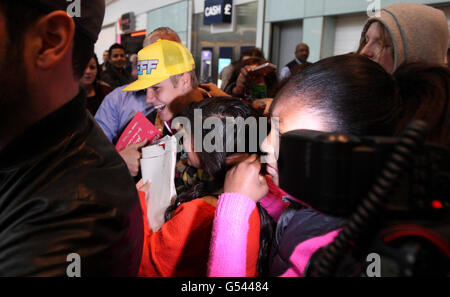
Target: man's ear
pixel 55 33
pixel 185 81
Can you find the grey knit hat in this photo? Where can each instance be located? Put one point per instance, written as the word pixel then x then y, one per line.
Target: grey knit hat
pixel 418 32
pixel 90 18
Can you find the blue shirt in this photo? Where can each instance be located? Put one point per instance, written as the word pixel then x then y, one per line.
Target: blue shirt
pixel 118 109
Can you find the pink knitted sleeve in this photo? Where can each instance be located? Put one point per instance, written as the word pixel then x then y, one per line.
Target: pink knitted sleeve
pixel 228 248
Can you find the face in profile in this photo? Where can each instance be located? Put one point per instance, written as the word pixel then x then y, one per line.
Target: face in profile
pixel 289 117
pixel 162 95
pixel 378 47
pixel 105 56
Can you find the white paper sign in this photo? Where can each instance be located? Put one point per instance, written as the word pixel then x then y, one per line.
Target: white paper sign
pixel 158 166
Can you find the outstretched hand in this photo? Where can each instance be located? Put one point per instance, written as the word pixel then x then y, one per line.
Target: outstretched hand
pixel 246 179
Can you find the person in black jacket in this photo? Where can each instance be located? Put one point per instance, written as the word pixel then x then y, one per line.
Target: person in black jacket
pixel 301 58
pixel 68 206
pixel 115 74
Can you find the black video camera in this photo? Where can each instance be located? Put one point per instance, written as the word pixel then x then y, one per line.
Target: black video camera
pixel 394 193
pixel 332 172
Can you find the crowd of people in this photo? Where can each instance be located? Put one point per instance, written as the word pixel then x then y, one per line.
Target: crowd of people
pixel 65 189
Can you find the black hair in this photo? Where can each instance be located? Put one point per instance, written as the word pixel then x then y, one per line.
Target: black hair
pixel 98 85
pixel 82 52
pixel 353 94
pixel 252 52
pixel 115 46
pixel 214 163
pixel 21 15
pixel 297 69
pixel 97 77
pixel 99 70
pixel 425 93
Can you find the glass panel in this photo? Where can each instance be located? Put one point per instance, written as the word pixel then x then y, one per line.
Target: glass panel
pixel 244 35
pixel 173 16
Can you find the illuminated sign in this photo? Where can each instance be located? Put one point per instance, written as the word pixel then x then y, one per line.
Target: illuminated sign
pixel 218 11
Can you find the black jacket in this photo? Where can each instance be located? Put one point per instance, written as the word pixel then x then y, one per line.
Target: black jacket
pixel 63 190
pixel 294 64
pixel 115 78
pixel 297 225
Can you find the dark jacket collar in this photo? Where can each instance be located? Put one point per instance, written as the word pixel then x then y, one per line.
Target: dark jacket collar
pixel 46 133
pixel 117 73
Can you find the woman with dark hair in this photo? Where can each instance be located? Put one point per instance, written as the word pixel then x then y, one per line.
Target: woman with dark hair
pixel 181 247
pixel 347 94
pixel 95 89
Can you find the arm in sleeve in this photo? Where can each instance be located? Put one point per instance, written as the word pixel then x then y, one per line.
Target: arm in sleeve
pixel 285 73
pixel 108 115
pixel 180 241
pixel 40 245
pixel 228 246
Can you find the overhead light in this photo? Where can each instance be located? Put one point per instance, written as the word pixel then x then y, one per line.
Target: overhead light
pixel 139 33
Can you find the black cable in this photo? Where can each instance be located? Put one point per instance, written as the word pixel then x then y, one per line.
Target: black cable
pixel 324 262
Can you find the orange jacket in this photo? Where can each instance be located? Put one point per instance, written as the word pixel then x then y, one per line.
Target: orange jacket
pixel 181 247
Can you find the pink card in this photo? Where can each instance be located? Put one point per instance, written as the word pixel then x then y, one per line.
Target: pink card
pixel 139 129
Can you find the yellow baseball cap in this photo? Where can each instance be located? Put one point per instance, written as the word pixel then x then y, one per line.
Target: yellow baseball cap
pixel 159 61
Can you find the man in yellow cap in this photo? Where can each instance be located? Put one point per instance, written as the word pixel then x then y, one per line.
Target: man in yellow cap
pixel 118 108
pixel 166 69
